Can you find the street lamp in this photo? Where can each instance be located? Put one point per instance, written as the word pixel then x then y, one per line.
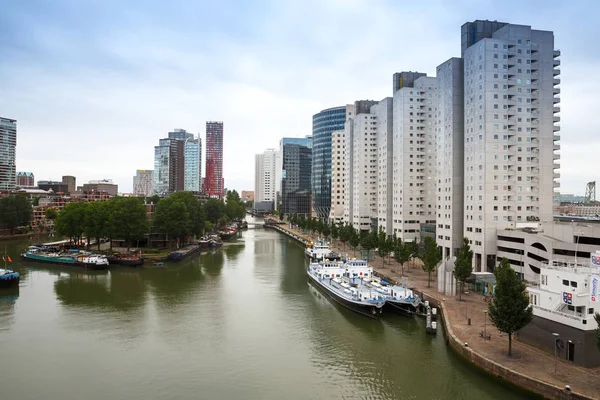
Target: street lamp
pixel 555 340
pixel 485 312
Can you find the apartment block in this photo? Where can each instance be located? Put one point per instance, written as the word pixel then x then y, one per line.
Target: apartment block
pixel 414 157
pixel 337 176
pixel 264 183
pixel 143 182
pixel 510 107
pixel 8 141
pixel 383 112
pixel 450 157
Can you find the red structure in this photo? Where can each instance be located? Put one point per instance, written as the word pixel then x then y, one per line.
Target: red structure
pixel 25 179
pixel 213 182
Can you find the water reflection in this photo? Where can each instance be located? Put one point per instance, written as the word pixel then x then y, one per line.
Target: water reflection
pixel 8 299
pixel 232 250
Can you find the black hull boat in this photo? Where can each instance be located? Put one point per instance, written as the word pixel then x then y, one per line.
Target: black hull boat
pixel 126 261
pixel 368 310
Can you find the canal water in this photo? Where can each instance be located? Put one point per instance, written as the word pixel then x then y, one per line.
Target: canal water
pixel 237 323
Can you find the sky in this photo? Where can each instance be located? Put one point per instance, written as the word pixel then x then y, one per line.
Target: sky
pixel 95 84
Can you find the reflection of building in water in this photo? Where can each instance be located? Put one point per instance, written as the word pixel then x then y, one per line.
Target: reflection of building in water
pixel 264 246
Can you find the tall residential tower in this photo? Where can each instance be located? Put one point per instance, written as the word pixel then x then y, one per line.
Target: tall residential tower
pixel 213 181
pixel 8 146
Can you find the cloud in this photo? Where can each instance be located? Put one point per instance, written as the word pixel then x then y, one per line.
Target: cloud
pixel 94 85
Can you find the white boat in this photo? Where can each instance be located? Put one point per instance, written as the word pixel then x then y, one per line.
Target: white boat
pixel 401 299
pixel 319 251
pixel 344 283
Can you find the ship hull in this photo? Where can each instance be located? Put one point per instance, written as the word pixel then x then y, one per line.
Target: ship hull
pixel 400 307
pixel 63 262
pixel 367 310
pixel 9 282
pixel 128 262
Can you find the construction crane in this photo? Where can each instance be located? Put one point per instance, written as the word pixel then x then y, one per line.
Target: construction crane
pixel 590 192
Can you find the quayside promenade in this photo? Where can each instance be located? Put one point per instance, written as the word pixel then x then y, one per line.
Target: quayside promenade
pixel 529 367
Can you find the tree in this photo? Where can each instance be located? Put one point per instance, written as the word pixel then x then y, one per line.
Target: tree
pixel 15 211
pixel 597 318
pixel 402 253
pixel 154 199
pixel 171 217
pixel 390 244
pixel 382 245
pixel 344 235
pixel 413 248
pixel 50 213
pixel 128 219
pixel 213 209
pixel 430 256
pixel 335 231
pixel 70 221
pixel 463 266
pixel 510 309
pixel 353 238
pixel 194 208
pixel 325 230
pixel 368 241
pixel 233 205
pixel 96 222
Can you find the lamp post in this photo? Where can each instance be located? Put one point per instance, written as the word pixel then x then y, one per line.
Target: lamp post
pixel 485 312
pixel 555 339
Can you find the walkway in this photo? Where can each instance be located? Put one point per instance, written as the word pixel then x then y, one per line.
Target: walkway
pixel 526 359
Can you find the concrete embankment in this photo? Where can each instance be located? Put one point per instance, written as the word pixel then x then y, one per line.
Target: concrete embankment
pixel 529 370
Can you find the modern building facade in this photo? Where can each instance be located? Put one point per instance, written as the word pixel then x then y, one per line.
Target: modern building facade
pixel 169 166
pixel 192 175
pixel 214 181
pixel 414 156
pixel 324 123
pixel 296 180
pixel 54 186
pixel 337 176
pixel 71 183
pixel 306 141
pixel 143 182
pixel 101 186
pixel 450 157
pixel 8 149
pixel 25 179
pixel 384 118
pixel 510 107
pixel 264 181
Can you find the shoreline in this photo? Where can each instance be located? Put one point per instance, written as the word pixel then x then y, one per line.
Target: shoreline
pixel 488 356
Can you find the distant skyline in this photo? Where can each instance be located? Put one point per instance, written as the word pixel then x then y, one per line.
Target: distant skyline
pixel 94 85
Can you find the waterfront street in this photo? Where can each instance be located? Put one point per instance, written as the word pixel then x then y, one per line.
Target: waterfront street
pixel 526 360
pixel 241 322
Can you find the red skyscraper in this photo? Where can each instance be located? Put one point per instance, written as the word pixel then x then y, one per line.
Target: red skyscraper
pixel 213 182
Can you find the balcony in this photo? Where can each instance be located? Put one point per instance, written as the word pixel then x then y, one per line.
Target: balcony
pixel 556 72
pixel 556 175
pixel 556 137
pixel 556 91
pixel 556 128
pixel 555 62
pixel 556 81
pixel 555 184
pixel 556 118
pixel 556 100
pixel 534 122
pixel 556 53
pixel 556 147
pixel 512 121
pixel 556 165
pixel 556 156
pixel 555 109
pixel 535 75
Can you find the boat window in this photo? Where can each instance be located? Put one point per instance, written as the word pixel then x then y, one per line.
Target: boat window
pixel 565 282
pixel 590 310
pixel 571 308
pixel 338 275
pixel 573 284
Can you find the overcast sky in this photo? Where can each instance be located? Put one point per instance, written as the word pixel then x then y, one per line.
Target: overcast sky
pixel 95 84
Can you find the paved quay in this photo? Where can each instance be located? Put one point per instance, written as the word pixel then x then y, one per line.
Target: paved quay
pixel 529 367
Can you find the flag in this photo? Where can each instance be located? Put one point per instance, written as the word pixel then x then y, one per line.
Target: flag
pixel 3 259
pixel 9 260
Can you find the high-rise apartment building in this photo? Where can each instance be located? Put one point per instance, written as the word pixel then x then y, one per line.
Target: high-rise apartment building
pixel 306 141
pixel 71 183
pixel 143 182
pixel 337 176
pixel 25 179
pixel 414 153
pixel 296 180
pixel 169 166
pixel 8 147
pixel 214 182
pixel 192 164
pixel 324 123
pixel 264 182
pixel 510 137
pixel 383 112
pixel 450 157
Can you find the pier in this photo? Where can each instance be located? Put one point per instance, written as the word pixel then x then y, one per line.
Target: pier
pixel 463 321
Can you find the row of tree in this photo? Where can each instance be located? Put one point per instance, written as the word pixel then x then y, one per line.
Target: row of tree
pixel 180 216
pixel 15 211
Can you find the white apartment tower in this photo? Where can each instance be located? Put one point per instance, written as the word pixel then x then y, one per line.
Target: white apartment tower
pixel 383 111
pixel 414 155
pixel 450 157
pixel 348 170
pixel 264 183
pixel 337 176
pixel 510 106
pixel 143 182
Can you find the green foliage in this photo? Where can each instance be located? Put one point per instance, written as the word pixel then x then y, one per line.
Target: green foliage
pixel 214 209
pixel 154 199
pixel 195 210
pixel 335 231
pixel 463 266
pixel 50 213
pixel 234 207
pixel 383 245
pixel 127 219
pixel 509 309
pixel 325 229
pixel 96 220
pixel 597 318
pixel 172 217
pixel 35 201
pixel 344 234
pixel 430 256
pixel 70 222
pixel 402 253
pixel 353 238
pixel 15 211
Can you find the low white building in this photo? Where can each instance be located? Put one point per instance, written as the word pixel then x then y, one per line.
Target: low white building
pixel 564 302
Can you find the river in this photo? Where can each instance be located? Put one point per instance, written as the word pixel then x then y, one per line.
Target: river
pixel 237 323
